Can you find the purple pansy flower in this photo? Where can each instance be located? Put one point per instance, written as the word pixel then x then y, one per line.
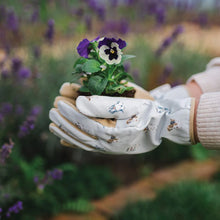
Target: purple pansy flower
pixel 110 50
pixel 83 47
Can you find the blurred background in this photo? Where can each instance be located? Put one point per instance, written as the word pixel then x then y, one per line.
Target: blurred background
pixel 40 179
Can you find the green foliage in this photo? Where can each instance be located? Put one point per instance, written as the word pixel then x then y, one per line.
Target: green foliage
pixel 72 193
pixel 79 205
pixel 185 62
pixel 183 201
pixel 97 84
pixel 198 152
pixel 91 66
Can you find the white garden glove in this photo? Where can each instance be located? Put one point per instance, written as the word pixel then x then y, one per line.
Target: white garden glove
pixel 69 93
pixel 166 92
pixel 141 124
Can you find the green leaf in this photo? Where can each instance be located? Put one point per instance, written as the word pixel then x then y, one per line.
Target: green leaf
pixel 126 57
pixel 76 77
pixel 81 60
pixel 91 66
pixel 118 88
pixel 123 75
pixel 78 69
pixel 97 84
pixel 84 89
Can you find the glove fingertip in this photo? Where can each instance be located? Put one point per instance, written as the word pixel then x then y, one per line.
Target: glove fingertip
pixel 82 104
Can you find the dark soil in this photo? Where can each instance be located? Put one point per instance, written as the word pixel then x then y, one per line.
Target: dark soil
pixel 129 94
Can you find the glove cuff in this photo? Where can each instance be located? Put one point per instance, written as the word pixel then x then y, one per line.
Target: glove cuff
pixel 179 121
pixel 192 132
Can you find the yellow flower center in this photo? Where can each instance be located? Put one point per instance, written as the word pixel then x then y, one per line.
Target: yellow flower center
pixel 112 51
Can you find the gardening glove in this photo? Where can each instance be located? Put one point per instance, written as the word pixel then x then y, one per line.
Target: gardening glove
pixel 141 124
pixel 166 92
pixel 68 94
pixel 202 79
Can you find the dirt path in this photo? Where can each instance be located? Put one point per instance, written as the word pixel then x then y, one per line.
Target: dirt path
pixel 146 188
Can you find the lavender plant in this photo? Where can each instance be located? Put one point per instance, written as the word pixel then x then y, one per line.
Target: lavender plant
pixel 101 66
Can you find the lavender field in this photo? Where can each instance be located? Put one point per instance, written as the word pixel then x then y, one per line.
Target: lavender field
pixel 39 178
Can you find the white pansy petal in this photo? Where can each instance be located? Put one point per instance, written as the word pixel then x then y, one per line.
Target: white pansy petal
pixel 118 60
pixel 102 53
pixel 113 44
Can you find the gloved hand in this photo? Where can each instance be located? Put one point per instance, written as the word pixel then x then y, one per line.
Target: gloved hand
pixel 212 69
pixel 69 93
pixel 166 92
pixel 141 124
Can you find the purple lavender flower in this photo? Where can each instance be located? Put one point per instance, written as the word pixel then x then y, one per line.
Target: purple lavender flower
pixel 6 108
pixel 78 12
pixel 37 52
pixel 177 82
pixel 29 123
pixel 101 11
pixel 129 2
pixel 83 47
pixel 160 16
pixel 49 35
pixel 2 12
pixel 166 73
pixel 5 73
pixel 136 74
pixel 35 16
pixel 177 31
pixel 16 64
pixel 123 27
pixel 6 151
pixel 49 177
pixel 16 208
pixel 36 110
pixel 0 210
pixel 203 20
pixel 114 3
pixel 98 8
pixel 88 22
pixel 56 174
pixel 169 40
pixel 6 195
pixel 26 127
pixel 24 73
pixel 19 110
pixel 152 7
pixel 36 179
pixel 127 66
pixel 12 21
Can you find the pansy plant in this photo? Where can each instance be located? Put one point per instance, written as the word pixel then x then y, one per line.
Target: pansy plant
pixel 101 66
